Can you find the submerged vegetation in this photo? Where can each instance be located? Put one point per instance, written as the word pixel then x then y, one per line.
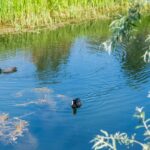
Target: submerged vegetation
pixel 11 128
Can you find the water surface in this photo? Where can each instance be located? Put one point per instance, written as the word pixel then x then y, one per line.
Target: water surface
pixel 69 62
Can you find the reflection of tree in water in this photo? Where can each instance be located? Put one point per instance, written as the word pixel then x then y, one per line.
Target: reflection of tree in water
pixel 134 65
pixel 9 43
pixel 50 49
pixel 55 49
pixel 134 61
pixel 49 57
pixel 130 55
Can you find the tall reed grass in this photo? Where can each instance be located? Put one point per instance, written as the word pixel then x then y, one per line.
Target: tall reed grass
pixel 31 13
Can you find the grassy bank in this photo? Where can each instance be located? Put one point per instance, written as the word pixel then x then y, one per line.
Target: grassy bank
pixel 37 13
pixel 16 15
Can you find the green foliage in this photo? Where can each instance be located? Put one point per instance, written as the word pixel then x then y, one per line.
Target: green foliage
pixel 146 56
pixel 110 141
pixel 122 27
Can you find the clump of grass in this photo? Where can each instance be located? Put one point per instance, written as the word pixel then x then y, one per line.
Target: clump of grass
pixel 31 13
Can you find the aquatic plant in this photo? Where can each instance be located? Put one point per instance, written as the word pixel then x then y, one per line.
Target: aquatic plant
pixel 43 90
pixel 36 102
pixel 3 117
pixel 44 96
pixel 111 141
pixel 11 128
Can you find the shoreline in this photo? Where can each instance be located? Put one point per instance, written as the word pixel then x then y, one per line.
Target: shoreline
pixel 6 30
pixel 91 14
pixel 60 20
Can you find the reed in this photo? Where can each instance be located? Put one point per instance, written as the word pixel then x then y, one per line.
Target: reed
pixel 32 13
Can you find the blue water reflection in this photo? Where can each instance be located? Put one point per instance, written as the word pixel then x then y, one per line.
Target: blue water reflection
pixel 73 66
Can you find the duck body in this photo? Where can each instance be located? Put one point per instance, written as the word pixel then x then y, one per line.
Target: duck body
pixel 76 103
pixel 8 70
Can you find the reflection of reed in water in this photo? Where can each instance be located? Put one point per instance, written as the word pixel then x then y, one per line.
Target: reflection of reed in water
pixel 52 44
pixel 135 49
pixel 134 65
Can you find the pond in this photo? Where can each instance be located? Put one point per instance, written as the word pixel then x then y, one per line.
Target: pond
pixel 57 66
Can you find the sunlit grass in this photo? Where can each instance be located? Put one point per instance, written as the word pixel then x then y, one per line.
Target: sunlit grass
pixel 31 13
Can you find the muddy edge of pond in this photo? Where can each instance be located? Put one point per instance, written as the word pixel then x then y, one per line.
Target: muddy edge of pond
pixel 5 29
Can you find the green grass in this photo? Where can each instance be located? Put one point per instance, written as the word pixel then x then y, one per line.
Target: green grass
pixel 31 13
pixel 27 14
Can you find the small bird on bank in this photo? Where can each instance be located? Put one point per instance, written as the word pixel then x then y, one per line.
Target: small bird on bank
pixel 8 70
pixel 76 103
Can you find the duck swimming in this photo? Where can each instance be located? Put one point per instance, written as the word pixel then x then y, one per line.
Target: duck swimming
pixel 8 70
pixel 76 103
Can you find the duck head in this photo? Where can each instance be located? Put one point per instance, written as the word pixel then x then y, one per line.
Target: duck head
pixel 76 103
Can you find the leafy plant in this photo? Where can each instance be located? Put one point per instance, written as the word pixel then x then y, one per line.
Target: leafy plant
pixel 110 141
pixel 123 26
pixel 146 55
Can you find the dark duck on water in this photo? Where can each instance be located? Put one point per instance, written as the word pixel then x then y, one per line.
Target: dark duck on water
pixel 76 103
pixel 8 70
